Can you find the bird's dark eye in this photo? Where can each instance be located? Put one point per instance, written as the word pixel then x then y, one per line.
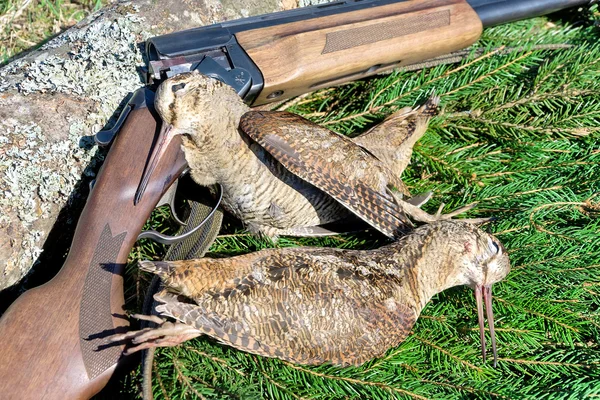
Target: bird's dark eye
pixel 494 246
pixel 177 87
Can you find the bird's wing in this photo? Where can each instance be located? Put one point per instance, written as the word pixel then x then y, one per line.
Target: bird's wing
pixel 332 163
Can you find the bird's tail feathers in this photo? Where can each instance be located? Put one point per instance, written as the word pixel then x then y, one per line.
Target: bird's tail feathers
pixel 430 108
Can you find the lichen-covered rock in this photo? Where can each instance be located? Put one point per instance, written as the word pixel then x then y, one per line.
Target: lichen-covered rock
pixel 54 99
pixel 304 3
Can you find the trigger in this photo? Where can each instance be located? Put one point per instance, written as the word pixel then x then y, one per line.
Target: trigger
pixel 169 199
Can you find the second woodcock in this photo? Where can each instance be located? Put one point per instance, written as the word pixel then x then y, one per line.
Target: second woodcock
pixel 284 175
pixel 322 305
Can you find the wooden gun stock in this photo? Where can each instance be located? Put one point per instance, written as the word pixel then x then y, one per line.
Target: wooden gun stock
pixel 54 336
pixel 303 56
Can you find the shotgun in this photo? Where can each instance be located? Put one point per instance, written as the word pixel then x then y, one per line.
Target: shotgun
pixel 54 336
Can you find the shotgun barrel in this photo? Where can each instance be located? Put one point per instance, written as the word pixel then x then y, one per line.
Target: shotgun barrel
pixel 497 12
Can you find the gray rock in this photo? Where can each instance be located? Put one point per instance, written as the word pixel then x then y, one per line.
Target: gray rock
pixel 54 99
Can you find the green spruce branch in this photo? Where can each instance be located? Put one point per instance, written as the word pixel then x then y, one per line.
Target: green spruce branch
pixel 518 133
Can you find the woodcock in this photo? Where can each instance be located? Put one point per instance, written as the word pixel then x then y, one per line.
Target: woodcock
pixel 322 305
pixel 282 174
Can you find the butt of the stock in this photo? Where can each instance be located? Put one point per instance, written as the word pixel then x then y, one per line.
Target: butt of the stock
pixel 303 56
pixel 54 338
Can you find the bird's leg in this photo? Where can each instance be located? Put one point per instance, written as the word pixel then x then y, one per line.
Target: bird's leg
pixel 440 209
pixel 419 215
pixel 420 199
pixel 167 334
pixel 347 225
pixel 310 231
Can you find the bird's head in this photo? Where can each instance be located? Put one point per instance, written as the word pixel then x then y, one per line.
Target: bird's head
pixel 194 105
pixel 488 262
pixel 484 264
pixel 190 101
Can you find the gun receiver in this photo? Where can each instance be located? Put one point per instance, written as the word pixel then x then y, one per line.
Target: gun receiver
pixel 54 335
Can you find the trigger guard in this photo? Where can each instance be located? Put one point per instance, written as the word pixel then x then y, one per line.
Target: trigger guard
pixel 169 199
pixel 168 239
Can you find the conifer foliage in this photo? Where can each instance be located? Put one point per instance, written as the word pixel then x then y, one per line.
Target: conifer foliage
pixel 519 133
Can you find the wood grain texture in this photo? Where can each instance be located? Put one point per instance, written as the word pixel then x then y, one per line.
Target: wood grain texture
pixel 51 334
pixel 303 56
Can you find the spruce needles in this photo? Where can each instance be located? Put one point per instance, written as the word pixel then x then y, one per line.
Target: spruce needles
pixel 519 134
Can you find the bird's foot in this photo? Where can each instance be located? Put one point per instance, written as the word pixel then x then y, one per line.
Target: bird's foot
pixel 439 216
pixel 450 215
pixel 422 216
pixel 420 199
pixel 166 334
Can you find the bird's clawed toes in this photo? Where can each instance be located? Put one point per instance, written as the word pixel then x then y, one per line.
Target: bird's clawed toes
pixel 454 213
pixel 149 318
pixel 476 221
pixel 422 216
pixel 167 334
pixel 420 199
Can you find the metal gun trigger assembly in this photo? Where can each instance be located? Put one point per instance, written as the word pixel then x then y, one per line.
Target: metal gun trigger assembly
pixel 167 239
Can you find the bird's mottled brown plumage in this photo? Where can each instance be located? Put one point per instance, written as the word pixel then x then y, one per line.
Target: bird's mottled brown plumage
pixel 331 162
pixel 258 186
pixel 321 305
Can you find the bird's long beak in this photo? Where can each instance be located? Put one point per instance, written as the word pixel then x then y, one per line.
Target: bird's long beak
pixel 483 294
pixel 165 136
